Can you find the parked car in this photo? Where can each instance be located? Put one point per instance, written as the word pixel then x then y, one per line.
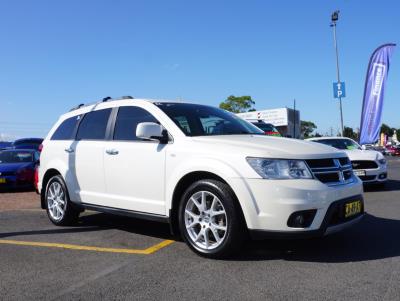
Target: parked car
pixel 17 168
pixel 213 176
pixel 369 165
pixel 27 143
pixel 393 150
pixel 267 128
pixel 377 148
pixel 5 145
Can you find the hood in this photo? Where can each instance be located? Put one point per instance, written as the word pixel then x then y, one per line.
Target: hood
pixel 358 154
pixel 269 147
pixel 12 167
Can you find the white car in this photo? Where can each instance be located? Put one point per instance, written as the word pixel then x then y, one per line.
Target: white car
pixel 213 176
pixel 369 165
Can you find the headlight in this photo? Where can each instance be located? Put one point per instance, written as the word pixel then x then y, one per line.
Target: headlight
pixel 382 161
pixel 280 169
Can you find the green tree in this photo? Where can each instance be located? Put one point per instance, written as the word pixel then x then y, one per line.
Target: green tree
pixel 349 133
pixel 307 127
pixel 238 104
pixel 387 130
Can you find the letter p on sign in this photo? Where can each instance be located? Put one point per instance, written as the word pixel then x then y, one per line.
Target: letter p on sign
pixel 339 90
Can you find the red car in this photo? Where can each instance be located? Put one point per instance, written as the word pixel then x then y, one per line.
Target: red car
pixel 393 150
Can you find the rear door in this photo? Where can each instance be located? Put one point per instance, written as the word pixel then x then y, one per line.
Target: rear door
pixel 134 168
pixel 60 146
pixel 89 151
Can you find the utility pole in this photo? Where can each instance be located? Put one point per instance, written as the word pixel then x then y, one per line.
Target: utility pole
pixel 294 118
pixel 334 19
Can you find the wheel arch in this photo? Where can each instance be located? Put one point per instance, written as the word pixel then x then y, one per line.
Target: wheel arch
pixel 47 176
pixel 183 184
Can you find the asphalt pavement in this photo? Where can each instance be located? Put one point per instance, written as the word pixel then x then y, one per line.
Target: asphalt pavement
pixel 114 258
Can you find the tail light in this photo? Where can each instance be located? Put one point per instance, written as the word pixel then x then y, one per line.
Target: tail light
pixel 25 174
pixel 40 148
pixel 36 177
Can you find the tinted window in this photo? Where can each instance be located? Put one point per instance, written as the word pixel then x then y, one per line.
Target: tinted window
pixel 200 120
pixel 127 121
pixel 15 157
pixel 94 125
pixel 66 129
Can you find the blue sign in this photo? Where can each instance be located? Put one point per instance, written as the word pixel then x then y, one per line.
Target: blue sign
pixel 339 90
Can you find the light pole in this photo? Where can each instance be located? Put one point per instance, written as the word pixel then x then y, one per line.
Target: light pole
pixel 334 19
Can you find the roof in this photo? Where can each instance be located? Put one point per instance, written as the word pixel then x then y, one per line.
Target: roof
pixel 109 99
pixel 327 138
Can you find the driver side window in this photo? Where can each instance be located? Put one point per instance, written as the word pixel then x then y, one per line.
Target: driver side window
pixel 127 120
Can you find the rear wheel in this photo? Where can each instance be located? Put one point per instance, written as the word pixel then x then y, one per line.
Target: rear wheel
pixel 210 219
pixel 60 209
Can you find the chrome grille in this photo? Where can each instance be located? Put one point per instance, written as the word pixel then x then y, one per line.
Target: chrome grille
pixel 336 171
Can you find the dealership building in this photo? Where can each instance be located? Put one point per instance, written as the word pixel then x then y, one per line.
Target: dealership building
pixel 286 120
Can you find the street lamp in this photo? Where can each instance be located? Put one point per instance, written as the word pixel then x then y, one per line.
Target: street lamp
pixel 334 19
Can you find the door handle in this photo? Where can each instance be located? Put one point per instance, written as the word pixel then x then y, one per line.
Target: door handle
pixel 69 150
pixel 112 151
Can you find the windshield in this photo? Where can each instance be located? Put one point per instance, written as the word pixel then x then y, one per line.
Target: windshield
pixel 267 128
pixel 340 143
pixel 15 157
pixel 200 120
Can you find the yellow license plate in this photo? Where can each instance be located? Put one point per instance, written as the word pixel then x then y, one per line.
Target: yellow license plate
pixel 352 208
pixel 2 180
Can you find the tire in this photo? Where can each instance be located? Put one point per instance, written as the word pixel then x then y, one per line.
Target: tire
pixel 216 230
pixel 60 210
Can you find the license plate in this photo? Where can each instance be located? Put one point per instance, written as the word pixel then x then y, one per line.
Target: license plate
pixel 352 208
pixel 2 180
pixel 359 172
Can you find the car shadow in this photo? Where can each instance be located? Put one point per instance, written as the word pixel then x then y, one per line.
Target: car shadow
pixel 102 221
pixel 373 238
pixel 16 190
pixel 390 185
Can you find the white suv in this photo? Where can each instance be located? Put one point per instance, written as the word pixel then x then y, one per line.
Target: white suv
pixel 213 176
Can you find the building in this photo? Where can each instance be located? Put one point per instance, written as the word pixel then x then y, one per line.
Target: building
pixel 286 120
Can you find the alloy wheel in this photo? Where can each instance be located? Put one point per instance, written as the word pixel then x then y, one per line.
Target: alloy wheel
pixel 206 220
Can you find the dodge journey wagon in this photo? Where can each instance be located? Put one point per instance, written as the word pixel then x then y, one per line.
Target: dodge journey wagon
pixel 215 178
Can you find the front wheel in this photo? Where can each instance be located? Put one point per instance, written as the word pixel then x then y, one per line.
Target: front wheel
pixel 60 210
pixel 210 219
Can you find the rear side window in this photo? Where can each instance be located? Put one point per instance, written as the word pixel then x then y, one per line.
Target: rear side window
pixel 66 129
pixel 127 121
pixel 94 125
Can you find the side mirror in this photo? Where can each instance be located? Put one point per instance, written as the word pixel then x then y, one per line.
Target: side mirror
pixel 363 147
pixel 151 131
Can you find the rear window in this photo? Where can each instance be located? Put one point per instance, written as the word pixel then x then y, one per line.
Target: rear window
pixel 66 129
pixel 94 125
pixel 15 157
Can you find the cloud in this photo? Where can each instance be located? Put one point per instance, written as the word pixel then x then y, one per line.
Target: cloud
pixel 6 137
pixel 172 67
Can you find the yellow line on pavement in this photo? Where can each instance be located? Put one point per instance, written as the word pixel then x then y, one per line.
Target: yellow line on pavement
pixel 147 251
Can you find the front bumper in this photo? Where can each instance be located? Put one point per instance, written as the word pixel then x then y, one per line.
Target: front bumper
pixel 376 175
pixel 268 204
pixel 333 222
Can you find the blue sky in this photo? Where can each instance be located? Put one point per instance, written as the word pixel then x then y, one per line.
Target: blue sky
pixel 56 54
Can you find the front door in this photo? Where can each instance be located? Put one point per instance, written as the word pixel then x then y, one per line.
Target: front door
pixel 134 169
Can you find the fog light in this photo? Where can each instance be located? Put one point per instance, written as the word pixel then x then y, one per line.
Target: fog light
pixel 383 176
pixel 301 219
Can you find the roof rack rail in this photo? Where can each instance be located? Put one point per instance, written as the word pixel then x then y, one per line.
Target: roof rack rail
pixel 77 107
pixel 105 99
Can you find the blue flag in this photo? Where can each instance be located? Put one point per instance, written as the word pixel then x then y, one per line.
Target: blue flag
pixel 377 72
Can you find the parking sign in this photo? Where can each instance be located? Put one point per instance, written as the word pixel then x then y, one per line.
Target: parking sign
pixel 339 90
